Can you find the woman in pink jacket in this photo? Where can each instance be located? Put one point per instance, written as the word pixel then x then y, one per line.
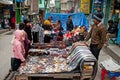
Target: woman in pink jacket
pixel 18 49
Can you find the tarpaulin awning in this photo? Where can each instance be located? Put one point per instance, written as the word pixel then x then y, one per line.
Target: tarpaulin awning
pixel 79 19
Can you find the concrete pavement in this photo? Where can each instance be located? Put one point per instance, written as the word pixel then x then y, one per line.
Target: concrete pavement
pixel 108 52
pixel 3 30
pixel 5 55
pixel 114 52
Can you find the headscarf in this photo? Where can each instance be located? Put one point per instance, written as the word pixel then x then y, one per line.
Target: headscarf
pixel 19 35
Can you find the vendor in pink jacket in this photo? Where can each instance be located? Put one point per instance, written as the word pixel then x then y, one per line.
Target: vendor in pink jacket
pixel 18 49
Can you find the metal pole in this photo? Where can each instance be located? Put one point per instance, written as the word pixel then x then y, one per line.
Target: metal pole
pixel 107 11
pixel 92 7
pixel 45 5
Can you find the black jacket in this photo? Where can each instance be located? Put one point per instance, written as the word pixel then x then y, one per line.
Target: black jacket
pixel 112 29
pixel 28 31
pixel 69 24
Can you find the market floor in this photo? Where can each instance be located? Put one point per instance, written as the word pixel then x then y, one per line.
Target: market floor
pixel 103 56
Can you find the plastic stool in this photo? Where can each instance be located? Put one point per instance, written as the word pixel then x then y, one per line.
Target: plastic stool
pixel 105 72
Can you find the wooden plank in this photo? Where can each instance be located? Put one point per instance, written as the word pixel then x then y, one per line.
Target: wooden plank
pixel 21 78
pixel 86 78
pixel 57 75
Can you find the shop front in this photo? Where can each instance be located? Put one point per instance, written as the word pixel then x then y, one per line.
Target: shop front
pixel 110 8
pixel 116 17
pixel 4 13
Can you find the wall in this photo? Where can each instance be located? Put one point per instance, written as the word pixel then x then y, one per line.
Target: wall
pixel 66 5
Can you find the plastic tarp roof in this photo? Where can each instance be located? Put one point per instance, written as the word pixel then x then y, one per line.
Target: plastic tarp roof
pixel 79 19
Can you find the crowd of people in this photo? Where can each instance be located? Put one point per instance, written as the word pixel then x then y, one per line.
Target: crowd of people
pixel 40 33
pixel 37 33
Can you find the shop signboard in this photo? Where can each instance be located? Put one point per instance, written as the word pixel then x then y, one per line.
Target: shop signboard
pixel 85 6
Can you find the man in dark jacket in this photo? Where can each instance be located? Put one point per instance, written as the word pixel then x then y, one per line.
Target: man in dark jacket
pixel 112 28
pixel 69 23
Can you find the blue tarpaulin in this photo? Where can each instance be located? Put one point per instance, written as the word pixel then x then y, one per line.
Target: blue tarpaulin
pixel 79 19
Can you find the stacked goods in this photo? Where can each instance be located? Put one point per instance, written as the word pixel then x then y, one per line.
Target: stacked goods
pixel 75 35
pixel 78 30
pixel 57 44
pixel 77 58
pixel 81 56
pixel 50 51
pixel 88 68
pixel 46 61
pixel 44 64
pixel 38 52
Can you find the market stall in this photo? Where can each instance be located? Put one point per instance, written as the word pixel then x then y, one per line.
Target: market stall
pixel 54 59
pixel 73 62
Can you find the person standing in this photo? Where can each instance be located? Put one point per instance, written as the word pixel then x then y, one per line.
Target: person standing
pixel 37 32
pixel 18 50
pixel 3 24
pixel 97 34
pixel 13 21
pixel 47 25
pixel 99 11
pixel 59 29
pixel 69 23
pixel 58 26
pixel 26 41
pixel 22 18
pixel 28 29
